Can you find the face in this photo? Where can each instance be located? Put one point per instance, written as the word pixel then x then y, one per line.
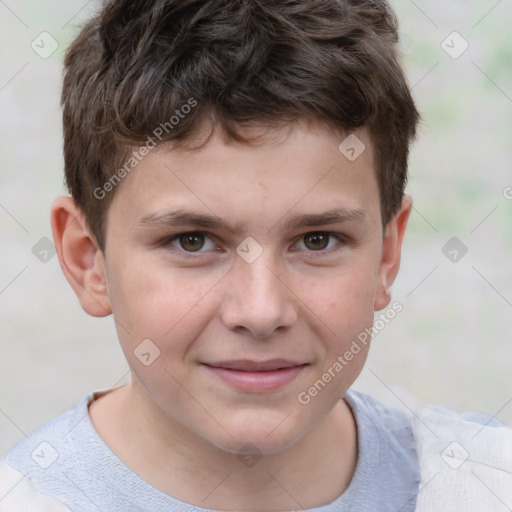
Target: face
pixel 238 275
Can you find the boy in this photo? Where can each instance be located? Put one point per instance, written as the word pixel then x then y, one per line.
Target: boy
pixel 237 174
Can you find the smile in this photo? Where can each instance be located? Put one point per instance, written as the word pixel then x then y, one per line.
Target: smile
pixel 256 377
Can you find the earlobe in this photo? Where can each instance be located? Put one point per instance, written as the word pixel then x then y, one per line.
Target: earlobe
pixel 80 258
pixel 391 253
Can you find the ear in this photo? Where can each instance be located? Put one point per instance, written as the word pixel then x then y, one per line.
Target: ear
pixel 391 252
pixel 80 258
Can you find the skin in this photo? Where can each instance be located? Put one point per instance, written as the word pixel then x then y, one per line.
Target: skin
pixel 177 425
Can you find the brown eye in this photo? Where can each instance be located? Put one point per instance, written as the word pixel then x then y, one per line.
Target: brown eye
pixel 316 241
pixel 191 242
pixel 322 242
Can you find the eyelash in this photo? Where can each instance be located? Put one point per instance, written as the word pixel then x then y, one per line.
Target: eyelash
pixel 342 240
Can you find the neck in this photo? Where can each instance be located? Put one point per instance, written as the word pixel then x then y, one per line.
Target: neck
pixel 312 472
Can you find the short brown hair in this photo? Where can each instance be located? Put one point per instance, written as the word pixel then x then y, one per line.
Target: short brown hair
pixel 137 64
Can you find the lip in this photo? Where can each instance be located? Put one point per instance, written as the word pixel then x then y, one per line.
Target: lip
pixel 256 376
pixel 248 365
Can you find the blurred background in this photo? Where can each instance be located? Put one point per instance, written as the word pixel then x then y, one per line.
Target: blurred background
pixel 452 342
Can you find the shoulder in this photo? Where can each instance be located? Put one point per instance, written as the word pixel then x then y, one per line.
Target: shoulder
pixel 386 454
pixel 49 445
pixel 383 420
pixel 35 472
pixel 384 426
pixel 465 460
pixel 18 494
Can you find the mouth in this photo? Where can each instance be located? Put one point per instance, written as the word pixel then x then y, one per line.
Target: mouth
pixel 247 365
pixel 256 376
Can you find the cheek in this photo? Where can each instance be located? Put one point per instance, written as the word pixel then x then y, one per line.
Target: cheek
pixel 346 306
pixel 157 302
pixel 347 299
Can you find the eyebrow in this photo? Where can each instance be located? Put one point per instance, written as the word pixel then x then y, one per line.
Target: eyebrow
pixel 183 217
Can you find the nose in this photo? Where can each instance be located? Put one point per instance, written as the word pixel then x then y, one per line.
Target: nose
pixel 258 300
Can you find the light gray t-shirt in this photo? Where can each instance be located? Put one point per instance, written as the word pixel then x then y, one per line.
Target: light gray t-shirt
pixel 67 460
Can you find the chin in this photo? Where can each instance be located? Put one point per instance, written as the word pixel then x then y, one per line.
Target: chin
pixel 257 445
pixel 261 434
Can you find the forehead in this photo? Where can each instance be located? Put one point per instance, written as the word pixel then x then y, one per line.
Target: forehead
pixel 299 168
